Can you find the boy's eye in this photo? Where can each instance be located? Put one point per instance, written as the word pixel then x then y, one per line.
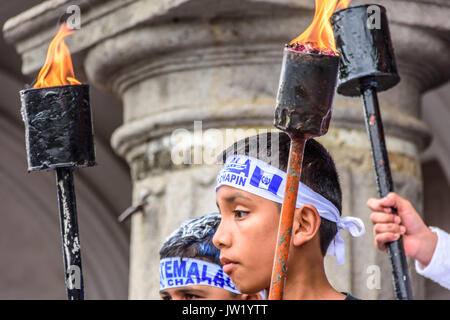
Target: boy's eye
pixel 167 297
pixel 189 296
pixel 240 213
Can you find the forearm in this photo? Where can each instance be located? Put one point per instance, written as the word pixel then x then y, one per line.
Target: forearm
pixel 438 268
pixel 427 247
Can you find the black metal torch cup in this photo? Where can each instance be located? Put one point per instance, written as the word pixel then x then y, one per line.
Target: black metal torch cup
pixel 303 111
pixel 59 135
pixel 367 66
pixel 305 93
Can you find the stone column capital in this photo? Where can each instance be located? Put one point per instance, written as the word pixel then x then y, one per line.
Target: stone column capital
pixel 159 27
pixel 32 30
pixel 123 45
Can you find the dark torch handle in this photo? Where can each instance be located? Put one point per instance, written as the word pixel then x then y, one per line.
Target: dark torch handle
pixel 374 125
pixel 294 170
pixel 69 234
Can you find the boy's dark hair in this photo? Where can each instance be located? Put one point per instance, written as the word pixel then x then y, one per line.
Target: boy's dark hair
pixel 318 171
pixel 193 239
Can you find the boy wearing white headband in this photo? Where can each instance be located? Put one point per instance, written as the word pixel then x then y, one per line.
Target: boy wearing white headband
pixel 249 194
pixel 190 268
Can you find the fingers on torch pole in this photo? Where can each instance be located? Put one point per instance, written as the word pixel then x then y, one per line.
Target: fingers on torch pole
pixel 374 124
pixel 279 271
pixel 366 72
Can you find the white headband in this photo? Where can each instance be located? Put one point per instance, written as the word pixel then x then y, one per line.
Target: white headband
pixel 181 272
pixel 262 179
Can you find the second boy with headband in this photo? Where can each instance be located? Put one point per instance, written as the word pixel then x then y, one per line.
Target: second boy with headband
pixel 190 268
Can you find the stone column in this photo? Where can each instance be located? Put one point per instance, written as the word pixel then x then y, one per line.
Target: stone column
pixel 174 63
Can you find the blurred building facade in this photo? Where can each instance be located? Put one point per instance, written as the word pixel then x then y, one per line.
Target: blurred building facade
pixel 172 63
pixel 31 266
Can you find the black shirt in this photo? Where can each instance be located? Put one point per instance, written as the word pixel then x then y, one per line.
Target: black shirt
pixel 349 296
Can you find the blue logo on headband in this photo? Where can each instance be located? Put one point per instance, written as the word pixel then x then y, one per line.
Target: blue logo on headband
pixel 238 167
pixel 236 172
pixel 265 180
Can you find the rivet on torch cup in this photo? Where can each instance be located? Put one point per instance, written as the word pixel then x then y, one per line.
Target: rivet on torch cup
pixel 59 136
pixel 303 111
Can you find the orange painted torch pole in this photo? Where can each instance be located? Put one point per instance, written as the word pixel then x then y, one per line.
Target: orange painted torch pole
pixel 294 170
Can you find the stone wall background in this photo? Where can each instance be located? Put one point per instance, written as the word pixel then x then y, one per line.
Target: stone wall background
pixel 175 62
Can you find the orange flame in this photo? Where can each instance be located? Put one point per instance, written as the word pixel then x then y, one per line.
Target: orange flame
pixel 319 34
pixel 58 68
pixel 342 4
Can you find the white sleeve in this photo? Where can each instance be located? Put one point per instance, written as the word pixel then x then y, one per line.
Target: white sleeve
pixel 438 269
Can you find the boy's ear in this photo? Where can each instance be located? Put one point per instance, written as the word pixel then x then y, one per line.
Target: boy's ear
pixel 306 224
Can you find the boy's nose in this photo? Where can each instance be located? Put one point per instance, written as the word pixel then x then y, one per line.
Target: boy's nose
pixel 221 239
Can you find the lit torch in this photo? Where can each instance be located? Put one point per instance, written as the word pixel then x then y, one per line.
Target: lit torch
pixel 368 66
pixel 59 135
pixel 303 110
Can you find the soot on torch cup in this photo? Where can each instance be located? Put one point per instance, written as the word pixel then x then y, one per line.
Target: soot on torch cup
pixel 305 93
pixel 59 135
pixel 303 111
pixel 58 127
pixel 368 66
pixel 363 40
